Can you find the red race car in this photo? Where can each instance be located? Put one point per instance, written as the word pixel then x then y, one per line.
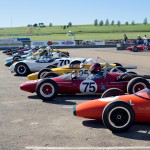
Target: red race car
pixel 20 51
pixel 48 89
pixel 138 48
pixel 118 113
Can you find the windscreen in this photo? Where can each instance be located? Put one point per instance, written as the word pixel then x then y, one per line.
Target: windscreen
pixel 145 93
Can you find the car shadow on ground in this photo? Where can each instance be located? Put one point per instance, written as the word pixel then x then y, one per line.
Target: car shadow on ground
pixel 16 75
pixel 66 99
pixel 139 131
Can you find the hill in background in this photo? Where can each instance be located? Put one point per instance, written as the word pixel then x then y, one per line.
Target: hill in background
pixel 81 32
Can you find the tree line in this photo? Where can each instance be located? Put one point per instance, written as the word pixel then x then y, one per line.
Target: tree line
pixel 50 25
pixel 96 23
pixel 107 22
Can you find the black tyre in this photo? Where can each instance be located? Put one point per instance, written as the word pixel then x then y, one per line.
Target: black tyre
pixel 136 84
pixel 22 69
pixel 112 92
pixel 134 49
pixel 16 57
pixel 131 73
pixel 118 64
pixel 15 61
pixel 118 116
pixel 50 75
pixel 51 66
pixel 118 69
pixel 74 63
pixel 63 54
pixel 47 89
pixel 14 51
pixel 43 72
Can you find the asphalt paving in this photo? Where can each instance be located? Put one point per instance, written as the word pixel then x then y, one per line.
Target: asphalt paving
pixel 26 122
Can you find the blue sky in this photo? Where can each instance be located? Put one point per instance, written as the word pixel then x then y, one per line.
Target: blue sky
pixel 18 13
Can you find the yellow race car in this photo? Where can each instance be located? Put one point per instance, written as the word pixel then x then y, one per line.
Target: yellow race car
pixel 52 50
pixel 80 70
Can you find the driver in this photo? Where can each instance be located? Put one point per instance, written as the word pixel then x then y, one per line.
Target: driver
pixel 96 71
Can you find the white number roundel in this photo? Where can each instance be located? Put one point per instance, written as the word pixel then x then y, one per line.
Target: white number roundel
pixel 88 86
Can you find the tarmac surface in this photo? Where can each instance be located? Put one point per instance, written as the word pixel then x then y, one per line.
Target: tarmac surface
pixel 26 122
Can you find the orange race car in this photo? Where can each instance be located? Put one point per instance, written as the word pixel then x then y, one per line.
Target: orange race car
pixel 118 113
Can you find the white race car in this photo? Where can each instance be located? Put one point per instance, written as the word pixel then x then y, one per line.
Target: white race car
pixel 25 67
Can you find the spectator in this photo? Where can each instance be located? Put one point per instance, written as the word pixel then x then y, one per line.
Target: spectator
pixel 139 40
pixel 125 39
pixel 145 42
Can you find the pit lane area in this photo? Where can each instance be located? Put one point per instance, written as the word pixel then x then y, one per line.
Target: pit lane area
pixel 26 122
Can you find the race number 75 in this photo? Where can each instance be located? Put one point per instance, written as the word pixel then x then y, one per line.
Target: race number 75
pixel 88 86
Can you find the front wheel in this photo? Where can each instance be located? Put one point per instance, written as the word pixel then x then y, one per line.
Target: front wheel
pixel 47 89
pixel 134 49
pixel 118 116
pixel 112 92
pixel 43 72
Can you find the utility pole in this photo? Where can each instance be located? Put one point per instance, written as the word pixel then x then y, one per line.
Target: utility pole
pixel 11 25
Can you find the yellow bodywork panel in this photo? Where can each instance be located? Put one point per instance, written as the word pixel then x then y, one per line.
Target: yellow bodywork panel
pixel 54 50
pixel 68 69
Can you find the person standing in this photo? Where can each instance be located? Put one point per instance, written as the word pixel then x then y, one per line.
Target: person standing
pixel 138 40
pixel 145 42
pixel 125 39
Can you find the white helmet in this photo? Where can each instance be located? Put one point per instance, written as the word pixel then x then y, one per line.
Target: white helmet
pixel 90 61
pixel 48 48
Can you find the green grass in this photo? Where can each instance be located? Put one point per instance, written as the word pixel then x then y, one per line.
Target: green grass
pixel 81 32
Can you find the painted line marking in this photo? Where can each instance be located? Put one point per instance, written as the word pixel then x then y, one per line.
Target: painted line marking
pixel 85 148
pixel 67 107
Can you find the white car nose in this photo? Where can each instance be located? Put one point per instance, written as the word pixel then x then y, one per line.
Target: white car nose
pixel 11 68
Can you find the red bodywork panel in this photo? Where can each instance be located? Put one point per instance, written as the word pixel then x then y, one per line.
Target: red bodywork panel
pixel 98 85
pixel 18 51
pixel 139 47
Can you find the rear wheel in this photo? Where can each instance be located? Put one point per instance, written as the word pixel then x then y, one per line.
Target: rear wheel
pixel 22 69
pixel 118 116
pixel 131 72
pixel 118 69
pixel 118 64
pixel 74 63
pixel 50 75
pixel 16 58
pixel 51 66
pixel 136 84
pixel 112 92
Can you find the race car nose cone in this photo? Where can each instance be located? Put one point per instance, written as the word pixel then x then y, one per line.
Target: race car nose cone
pixel 74 110
pixel 24 87
pixel 29 86
pixel 89 109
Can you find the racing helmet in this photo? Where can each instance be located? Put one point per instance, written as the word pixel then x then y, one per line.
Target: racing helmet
pixel 90 61
pixel 95 68
pixel 48 48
